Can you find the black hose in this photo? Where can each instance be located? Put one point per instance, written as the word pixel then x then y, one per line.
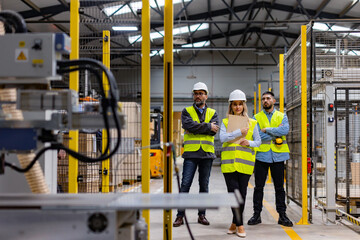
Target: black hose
pixel 13 20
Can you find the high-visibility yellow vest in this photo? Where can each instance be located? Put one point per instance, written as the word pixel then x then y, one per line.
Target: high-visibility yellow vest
pixel 276 120
pixel 193 142
pixel 238 158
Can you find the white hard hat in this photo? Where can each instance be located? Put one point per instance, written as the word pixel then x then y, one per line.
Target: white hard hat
pixel 237 95
pixel 200 86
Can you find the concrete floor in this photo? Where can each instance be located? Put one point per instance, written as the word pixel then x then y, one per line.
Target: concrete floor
pixel 220 219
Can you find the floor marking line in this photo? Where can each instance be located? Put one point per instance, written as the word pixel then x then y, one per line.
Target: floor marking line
pixel 289 230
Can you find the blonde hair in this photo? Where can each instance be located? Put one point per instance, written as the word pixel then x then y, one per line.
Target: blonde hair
pixel 244 112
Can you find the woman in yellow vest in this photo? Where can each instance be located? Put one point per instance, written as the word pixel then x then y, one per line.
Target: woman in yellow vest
pixel 238 159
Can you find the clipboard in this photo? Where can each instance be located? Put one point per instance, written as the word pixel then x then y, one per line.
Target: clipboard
pixel 237 122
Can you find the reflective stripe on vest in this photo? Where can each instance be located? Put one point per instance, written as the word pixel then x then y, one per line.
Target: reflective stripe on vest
pixel 276 120
pixel 193 142
pixel 238 158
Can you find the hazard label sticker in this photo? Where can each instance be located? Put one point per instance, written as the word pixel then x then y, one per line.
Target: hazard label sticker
pixel 21 55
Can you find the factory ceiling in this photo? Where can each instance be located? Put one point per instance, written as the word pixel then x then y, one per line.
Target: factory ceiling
pixel 228 27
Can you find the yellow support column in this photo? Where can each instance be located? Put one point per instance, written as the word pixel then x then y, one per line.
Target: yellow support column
pixel 145 104
pixel 281 82
pixel 254 102
pixel 259 92
pixel 74 85
pixel 105 165
pixel 304 218
pixel 168 110
pixel 281 90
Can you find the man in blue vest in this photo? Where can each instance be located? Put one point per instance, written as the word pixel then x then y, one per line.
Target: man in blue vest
pixel 272 153
pixel 200 123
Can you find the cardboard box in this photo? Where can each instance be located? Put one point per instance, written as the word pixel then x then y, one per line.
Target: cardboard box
pixel 355 173
pixel 132 111
pixel 89 172
pixel 125 167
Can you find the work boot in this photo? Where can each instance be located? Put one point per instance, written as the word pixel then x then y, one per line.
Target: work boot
pixel 202 220
pixel 284 220
pixel 255 219
pixel 178 222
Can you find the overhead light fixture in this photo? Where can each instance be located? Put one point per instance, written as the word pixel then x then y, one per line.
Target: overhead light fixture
pixel 134 6
pixel 125 28
pixel 261 53
pixel 275 27
pixel 179 41
pixel 176 31
pixel 197 44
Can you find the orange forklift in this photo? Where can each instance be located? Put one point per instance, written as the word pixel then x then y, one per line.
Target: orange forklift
pixel 156 151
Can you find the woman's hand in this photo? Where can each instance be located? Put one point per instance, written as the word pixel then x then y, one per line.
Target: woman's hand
pixel 244 131
pixel 244 142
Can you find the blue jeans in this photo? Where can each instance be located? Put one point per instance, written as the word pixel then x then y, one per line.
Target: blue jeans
pixel 189 169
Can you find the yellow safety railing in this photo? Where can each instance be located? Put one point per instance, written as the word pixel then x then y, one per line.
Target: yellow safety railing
pixel 74 85
pixel 254 102
pixel 105 165
pixel 304 218
pixel 145 104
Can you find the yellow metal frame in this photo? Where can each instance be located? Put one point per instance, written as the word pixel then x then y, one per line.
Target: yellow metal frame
pixel 281 82
pixel 74 85
pixel 105 165
pixel 259 93
pixel 254 102
pixel 168 110
pixel 145 104
pixel 304 218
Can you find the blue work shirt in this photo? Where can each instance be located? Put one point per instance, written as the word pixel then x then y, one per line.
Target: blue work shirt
pixel 201 110
pixel 272 134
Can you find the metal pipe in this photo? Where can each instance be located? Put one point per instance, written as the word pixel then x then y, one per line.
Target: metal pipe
pixel 186 49
pixel 132 22
pixel 337 59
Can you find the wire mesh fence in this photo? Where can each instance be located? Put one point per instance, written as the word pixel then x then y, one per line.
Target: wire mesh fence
pixel 336 59
pixel 293 111
pixel 124 173
pixel 348 148
pixel 332 59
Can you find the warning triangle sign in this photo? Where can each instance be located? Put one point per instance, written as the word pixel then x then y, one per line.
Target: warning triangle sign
pixel 21 57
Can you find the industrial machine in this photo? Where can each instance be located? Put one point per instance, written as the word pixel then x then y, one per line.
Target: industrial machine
pixel 30 61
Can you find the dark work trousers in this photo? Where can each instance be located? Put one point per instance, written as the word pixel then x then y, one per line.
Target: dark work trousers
pixel 277 173
pixel 239 181
pixel 189 169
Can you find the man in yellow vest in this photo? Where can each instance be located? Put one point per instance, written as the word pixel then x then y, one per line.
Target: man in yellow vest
pixel 200 123
pixel 272 153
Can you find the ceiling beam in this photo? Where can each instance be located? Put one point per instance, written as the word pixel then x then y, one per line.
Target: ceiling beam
pixel 205 15
pixel 348 8
pixel 252 29
pixel 229 25
pixel 269 5
pixel 321 7
pixel 304 9
pixel 34 7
